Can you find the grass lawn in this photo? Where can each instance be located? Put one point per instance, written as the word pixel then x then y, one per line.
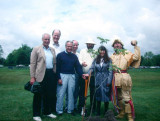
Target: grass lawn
pixel 16 103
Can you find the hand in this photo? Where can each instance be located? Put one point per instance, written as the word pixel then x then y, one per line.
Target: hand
pixel 60 82
pixel 84 76
pixel 134 42
pixel 84 64
pixel 108 85
pixel 32 80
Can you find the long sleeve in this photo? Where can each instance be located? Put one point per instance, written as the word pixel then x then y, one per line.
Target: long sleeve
pixel 58 60
pixel 110 75
pixel 33 62
pixel 81 57
pixel 92 68
pixel 136 57
pixel 78 67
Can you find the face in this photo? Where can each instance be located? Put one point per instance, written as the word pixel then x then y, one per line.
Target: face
pixel 117 45
pixel 46 40
pixel 102 52
pixel 90 46
pixel 56 36
pixel 75 45
pixel 69 46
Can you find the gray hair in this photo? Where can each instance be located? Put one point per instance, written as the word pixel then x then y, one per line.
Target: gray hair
pixel 68 42
pixel 45 34
pixel 55 30
pixel 73 42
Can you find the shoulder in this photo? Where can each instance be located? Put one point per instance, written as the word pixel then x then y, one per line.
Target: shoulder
pixel 61 53
pixel 37 48
pixel 112 56
pixel 83 50
pixel 127 52
pixel 52 48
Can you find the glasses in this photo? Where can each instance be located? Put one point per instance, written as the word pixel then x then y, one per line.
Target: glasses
pixel 46 39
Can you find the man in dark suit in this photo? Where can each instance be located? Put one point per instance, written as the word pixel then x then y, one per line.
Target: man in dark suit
pixel 42 70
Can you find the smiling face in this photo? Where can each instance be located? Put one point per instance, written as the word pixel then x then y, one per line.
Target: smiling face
pixel 117 45
pixel 90 46
pixel 56 36
pixel 46 40
pixel 102 53
pixel 69 46
pixel 75 46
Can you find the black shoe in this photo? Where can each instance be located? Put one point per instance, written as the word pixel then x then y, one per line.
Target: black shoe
pixel 73 114
pixel 76 110
pixel 59 114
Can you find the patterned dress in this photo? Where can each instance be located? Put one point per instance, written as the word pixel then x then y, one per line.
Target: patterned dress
pixel 103 76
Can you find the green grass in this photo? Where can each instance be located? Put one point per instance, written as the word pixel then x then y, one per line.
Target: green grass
pixel 16 103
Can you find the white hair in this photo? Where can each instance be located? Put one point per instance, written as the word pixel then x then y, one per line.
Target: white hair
pixel 45 34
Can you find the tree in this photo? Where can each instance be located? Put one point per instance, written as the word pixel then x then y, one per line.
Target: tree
pixel 149 59
pixel 19 56
pixel 1 51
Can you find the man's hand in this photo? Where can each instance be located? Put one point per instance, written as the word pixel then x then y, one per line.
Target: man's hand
pixel 60 82
pixel 84 76
pixel 32 80
pixel 134 42
pixel 84 64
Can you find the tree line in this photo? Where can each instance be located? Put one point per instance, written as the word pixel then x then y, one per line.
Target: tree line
pixel 22 56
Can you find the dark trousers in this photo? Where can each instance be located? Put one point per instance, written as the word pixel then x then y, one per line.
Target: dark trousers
pixel 92 92
pixel 46 99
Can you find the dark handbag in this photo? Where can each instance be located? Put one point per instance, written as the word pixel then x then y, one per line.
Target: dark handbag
pixel 35 88
pixel 27 86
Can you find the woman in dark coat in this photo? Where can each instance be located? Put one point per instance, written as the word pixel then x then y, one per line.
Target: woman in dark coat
pixel 103 77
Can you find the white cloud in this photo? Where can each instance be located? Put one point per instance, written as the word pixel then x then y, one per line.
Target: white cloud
pixel 23 22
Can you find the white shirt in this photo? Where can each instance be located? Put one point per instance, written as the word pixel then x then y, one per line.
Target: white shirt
pixel 102 61
pixel 49 58
pixel 86 57
pixel 56 47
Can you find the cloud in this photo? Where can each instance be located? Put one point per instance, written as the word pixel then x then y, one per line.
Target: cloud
pixel 23 22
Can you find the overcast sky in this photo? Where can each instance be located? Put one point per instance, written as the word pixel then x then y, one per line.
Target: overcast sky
pixel 24 21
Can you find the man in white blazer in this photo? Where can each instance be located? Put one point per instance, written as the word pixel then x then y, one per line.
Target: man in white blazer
pixel 42 70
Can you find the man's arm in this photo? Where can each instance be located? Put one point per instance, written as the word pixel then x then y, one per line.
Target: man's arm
pixel 136 56
pixel 58 59
pixel 81 59
pixel 33 65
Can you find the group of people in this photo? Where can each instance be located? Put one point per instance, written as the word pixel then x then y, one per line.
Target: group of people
pixel 62 75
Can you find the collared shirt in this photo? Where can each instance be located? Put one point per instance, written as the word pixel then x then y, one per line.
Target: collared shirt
pixel 56 47
pixel 49 58
pixel 102 61
pixel 77 54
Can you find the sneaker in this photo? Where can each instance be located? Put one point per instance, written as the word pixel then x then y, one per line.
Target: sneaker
pixel 37 118
pixel 52 115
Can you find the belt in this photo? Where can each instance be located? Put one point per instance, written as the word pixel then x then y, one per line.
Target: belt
pixel 122 71
pixel 51 69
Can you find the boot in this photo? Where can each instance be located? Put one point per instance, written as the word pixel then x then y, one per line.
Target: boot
pixel 128 111
pixel 98 108
pixel 106 107
pixel 122 112
pixel 130 118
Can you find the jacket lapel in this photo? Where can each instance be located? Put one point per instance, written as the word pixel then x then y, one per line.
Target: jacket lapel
pixel 42 52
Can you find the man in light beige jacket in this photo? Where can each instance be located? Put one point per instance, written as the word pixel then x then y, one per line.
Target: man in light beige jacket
pixel 42 70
